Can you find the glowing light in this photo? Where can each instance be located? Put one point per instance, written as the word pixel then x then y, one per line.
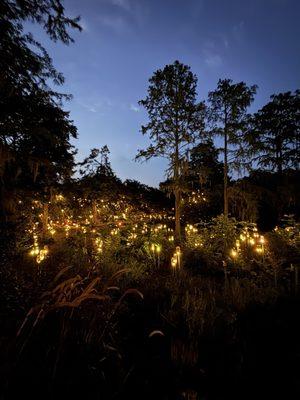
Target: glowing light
pixel 59 197
pixel 99 245
pixel 234 253
pixel 174 262
pixel 40 254
pixel 176 259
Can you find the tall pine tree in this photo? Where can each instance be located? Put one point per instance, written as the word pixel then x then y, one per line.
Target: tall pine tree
pixel 227 111
pixel 175 120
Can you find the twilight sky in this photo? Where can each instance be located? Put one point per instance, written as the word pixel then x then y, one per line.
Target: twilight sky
pixel 124 41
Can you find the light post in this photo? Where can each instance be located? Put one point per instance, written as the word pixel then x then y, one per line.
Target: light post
pixel 153 251
pixel 158 250
pixel 176 259
pixel 178 255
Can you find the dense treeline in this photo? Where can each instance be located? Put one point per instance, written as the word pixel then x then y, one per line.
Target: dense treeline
pixel 36 154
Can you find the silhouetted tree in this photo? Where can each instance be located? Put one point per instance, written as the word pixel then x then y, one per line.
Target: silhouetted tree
pixel 34 130
pixel 139 193
pixel 176 118
pixel 227 112
pixel 93 166
pixel 98 177
pixel 205 170
pixel 274 140
pixel 204 182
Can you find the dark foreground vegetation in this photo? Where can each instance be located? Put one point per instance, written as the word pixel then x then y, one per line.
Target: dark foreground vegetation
pixel 99 310
pixel 101 331
pixel 115 290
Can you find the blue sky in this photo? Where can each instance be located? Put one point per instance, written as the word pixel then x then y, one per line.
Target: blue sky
pixel 124 41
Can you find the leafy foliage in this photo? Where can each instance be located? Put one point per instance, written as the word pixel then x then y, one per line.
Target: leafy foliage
pixel 274 138
pixel 35 131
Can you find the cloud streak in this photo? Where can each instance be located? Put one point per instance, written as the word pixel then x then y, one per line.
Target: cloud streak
pixel 125 4
pixel 99 106
pixel 116 23
pixel 211 54
pixel 134 108
pixel 213 60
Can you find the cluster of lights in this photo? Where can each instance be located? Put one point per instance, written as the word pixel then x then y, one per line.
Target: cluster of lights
pixel 36 251
pixel 156 250
pixel 196 198
pixel 191 229
pixel 59 197
pixel 176 258
pixel 120 217
pixel 114 231
pixel 248 239
pixel 99 245
pixel 50 228
pixel 291 233
pixel 94 218
pixel 193 236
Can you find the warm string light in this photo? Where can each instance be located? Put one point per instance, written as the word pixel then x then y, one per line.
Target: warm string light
pixel 36 251
pixel 196 197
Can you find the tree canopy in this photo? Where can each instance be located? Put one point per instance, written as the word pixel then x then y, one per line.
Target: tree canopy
pixel 227 114
pixel 176 119
pixel 274 139
pixel 35 131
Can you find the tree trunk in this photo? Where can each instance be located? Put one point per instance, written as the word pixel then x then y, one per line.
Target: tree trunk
pixel 51 194
pixel 45 217
pixel 280 168
pixel 95 213
pixel 177 216
pixel 177 194
pixel 225 175
pixel 279 158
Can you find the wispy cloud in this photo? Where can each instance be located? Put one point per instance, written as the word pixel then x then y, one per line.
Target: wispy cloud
pixel 125 4
pixel 84 25
pixel 134 108
pixel 213 60
pixel 98 106
pixel 117 23
pixel 225 42
pixel 211 54
pixel 238 31
pixel 87 106
pixel 122 15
